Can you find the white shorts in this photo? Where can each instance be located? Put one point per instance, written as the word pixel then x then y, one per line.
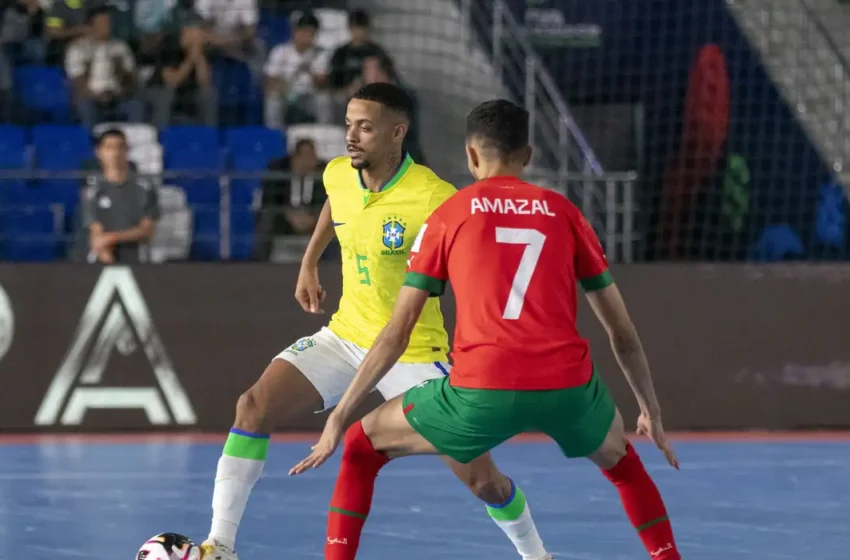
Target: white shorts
pixel 330 362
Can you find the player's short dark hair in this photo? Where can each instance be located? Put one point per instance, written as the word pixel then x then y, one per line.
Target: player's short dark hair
pixel 359 18
pixel 391 96
pixel 500 126
pixel 111 133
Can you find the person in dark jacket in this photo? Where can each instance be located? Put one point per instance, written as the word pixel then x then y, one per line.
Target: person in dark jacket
pixel 290 205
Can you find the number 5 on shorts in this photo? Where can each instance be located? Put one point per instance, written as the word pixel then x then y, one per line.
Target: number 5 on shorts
pixel 533 241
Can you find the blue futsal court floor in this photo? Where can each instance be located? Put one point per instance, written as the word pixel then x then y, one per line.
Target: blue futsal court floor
pixel 745 500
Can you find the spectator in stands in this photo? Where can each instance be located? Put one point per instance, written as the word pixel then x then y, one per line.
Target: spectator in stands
pixel 380 69
pixel 346 66
pixel 20 35
pixel 234 28
pixel 120 210
pixel 157 23
pixel 66 22
pixel 103 72
pixel 295 75
pixel 182 79
pixel 290 205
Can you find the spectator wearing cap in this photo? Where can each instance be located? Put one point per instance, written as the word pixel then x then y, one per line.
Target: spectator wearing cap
pixel 182 79
pixel 120 209
pixel 295 77
pixel 346 65
pixel 380 69
pixel 103 72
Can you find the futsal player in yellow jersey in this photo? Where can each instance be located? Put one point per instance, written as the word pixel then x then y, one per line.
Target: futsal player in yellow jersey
pixel 378 199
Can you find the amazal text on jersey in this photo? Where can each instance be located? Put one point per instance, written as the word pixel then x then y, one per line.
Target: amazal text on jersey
pixel 511 206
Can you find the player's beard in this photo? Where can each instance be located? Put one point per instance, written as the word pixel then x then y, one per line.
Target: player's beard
pixel 360 164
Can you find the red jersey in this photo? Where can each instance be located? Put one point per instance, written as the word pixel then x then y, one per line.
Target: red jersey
pixel 514 253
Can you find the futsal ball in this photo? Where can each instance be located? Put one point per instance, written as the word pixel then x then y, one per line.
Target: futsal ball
pixel 169 546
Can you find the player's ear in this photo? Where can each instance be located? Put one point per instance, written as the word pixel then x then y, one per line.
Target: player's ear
pixel 529 152
pixel 400 131
pixel 471 155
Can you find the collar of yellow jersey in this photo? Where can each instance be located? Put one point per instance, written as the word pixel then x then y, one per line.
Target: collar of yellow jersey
pixel 403 166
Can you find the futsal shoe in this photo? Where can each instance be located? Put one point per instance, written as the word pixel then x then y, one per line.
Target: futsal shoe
pixel 213 550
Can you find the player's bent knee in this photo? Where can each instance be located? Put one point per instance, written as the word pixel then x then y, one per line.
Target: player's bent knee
pixel 251 416
pixel 614 448
pixel 483 479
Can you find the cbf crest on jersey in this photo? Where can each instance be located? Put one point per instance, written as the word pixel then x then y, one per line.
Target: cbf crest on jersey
pixel 392 235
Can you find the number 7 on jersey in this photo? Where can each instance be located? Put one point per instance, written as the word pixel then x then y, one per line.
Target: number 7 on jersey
pixel 533 241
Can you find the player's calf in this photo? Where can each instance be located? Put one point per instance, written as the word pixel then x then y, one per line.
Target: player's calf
pixel 505 503
pixel 282 391
pixel 644 507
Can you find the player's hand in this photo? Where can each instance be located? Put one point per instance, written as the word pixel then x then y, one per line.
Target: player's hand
pixel 652 428
pixel 308 292
pixel 322 451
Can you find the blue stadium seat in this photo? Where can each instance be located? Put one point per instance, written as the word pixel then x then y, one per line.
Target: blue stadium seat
pixel 240 95
pixel 274 28
pixel 15 239
pixel 251 148
pixel 13 147
pixel 189 138
pixel 60 148
pixel 30 228
pixel 203 195
pixel 44 91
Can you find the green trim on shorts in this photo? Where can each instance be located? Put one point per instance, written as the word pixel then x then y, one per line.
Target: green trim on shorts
pixel 433 286
pixel 597 282
pixel 466 423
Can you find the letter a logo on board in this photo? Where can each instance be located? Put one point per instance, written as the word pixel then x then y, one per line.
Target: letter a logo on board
pixel 115 317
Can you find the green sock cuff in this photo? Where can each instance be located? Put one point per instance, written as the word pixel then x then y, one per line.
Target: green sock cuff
pixel 510 510
pixel 246 446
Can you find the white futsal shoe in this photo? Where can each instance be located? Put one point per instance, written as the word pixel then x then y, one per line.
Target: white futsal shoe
pixel 213 550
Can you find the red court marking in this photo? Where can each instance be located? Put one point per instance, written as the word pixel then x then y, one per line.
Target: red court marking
pixel 310 437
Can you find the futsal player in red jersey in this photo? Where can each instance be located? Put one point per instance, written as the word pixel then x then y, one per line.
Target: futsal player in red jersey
pixel 514 254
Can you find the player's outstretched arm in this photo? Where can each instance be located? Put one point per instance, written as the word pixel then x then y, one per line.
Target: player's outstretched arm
pixel 308 291
pixel 610 309
pixel 385 352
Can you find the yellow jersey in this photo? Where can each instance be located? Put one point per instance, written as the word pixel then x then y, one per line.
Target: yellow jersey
pixel 375 231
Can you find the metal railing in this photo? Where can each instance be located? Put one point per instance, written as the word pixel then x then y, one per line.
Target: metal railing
pixel 552 129
pixel 608 202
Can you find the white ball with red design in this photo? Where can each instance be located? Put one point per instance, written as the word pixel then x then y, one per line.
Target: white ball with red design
pixel 169 546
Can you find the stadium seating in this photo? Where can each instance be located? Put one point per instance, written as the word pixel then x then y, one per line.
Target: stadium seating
pixel 251 149
pixel 240 94
pixel 60 148
pixel 172 240
pixel 44 92
pixel 273 28
pixel 195 151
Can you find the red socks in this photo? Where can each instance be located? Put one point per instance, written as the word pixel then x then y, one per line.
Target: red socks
pixel 352 497
pixel 644 506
